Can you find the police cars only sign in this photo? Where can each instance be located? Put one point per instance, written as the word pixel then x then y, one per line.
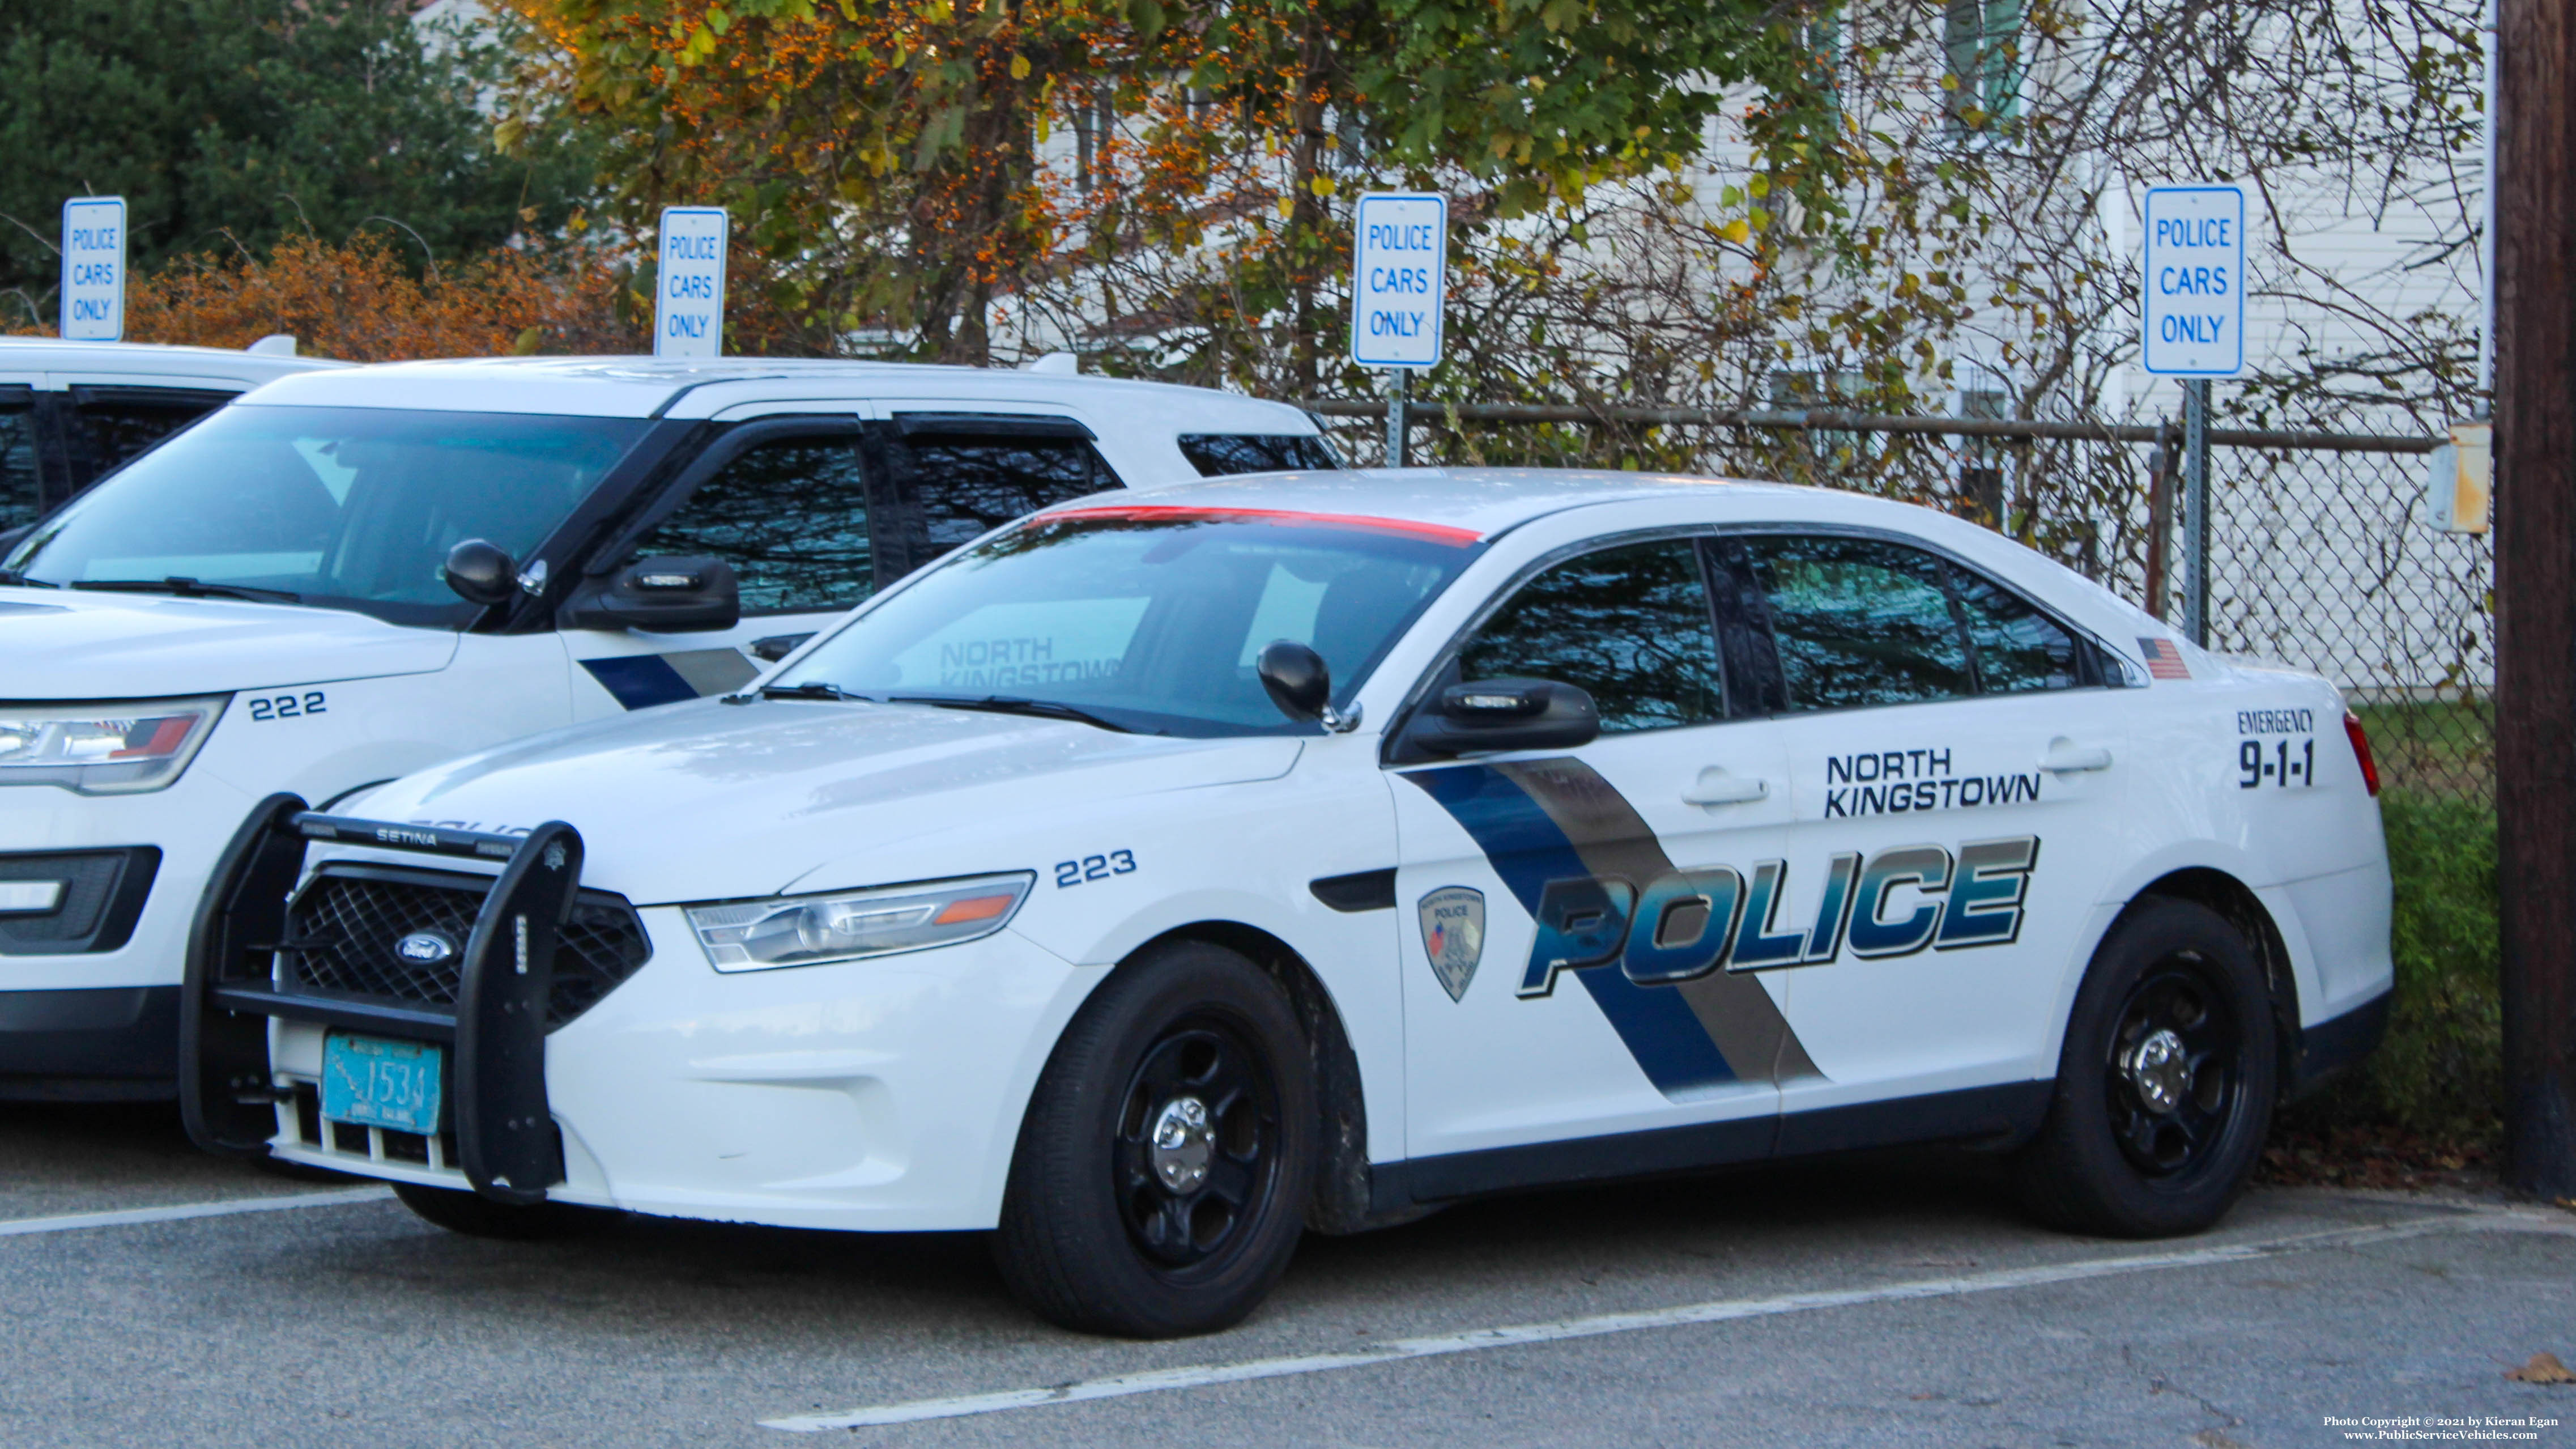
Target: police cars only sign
pixel 1399 260
pixel 688 304
pixel 94 269
pixel 2194 309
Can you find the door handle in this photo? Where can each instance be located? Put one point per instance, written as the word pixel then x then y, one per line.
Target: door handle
pixel 2065 757
pixel 1716 787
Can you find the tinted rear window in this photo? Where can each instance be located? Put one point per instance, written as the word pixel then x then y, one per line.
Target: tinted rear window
pixel 1217 454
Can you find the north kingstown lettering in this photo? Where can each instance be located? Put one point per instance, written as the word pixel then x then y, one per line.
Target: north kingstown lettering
pixel 1899 782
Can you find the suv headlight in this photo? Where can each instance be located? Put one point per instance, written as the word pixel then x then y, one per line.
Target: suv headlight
pixel 851 925
pixel 104 749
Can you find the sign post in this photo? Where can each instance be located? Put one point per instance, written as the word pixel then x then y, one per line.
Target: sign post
pixel 94 269
pixel 689 290
pixel 2192 321
pixel 1399 289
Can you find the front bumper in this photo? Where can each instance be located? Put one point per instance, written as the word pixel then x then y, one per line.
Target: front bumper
pixel 106 965
pixel 103 1044
pixel 873 1095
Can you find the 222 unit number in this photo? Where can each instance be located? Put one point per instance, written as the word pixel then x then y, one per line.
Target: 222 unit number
pixel 288 706
pixel 1094 867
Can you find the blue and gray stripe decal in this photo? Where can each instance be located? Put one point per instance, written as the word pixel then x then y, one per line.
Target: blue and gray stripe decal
pixel 640 681
pixel 1557 823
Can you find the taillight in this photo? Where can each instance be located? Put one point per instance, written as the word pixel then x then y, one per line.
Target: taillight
pixel 2361 750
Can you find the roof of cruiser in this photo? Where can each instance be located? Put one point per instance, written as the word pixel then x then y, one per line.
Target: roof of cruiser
pixel 1452 505
pixel 647 387
pixel 91 359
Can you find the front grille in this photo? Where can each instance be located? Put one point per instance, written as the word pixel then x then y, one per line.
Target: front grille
pixel 342 929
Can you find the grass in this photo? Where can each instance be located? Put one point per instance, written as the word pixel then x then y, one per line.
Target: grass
pixel 2427 1099
pixel 2437 746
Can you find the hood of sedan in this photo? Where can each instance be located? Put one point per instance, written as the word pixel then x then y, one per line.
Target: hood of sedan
pixel 706 801
pixel 79 644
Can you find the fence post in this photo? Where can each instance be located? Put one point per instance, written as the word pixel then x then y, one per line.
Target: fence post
pixel 2160 480
pixel 1398 426
pixel 2195 489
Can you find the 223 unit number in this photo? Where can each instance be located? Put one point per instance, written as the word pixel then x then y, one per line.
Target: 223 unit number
pixel 288 706
pixel 2288 761
pixel 1094 867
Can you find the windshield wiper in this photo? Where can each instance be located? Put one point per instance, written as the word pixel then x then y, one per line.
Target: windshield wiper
pixel 17 580
pixel 1010 704
pixel 187 588
pixel 810 689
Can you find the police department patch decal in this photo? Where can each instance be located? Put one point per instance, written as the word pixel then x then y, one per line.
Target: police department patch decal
pixel 1453 936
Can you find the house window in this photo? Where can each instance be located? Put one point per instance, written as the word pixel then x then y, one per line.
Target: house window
pixel 1983 38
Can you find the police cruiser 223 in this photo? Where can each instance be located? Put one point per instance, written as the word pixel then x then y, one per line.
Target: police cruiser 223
pixel 348 575
pixel 1163 875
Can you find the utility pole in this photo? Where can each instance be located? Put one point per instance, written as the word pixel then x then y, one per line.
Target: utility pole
pixel 2535 534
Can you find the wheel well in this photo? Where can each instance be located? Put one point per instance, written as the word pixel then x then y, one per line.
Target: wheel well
pixel 1341 1203
pixel 2234 900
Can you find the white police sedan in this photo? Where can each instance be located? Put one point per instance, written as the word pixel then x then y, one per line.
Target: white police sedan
pixel 1161 876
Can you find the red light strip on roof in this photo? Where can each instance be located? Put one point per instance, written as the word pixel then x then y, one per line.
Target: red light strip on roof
pixel 1178 513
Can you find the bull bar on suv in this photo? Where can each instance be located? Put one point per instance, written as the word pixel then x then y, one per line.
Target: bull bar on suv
pixel 539 951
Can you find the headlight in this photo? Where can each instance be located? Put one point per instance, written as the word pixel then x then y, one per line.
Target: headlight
pixel 103 749
pixel 849 925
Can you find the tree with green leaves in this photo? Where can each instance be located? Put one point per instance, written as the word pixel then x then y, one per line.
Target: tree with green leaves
pixel 232 123
pixel 914 168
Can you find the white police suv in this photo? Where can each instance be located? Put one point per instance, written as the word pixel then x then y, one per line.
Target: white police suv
pixel 348 575
pixel 1162 875
pixel 71 412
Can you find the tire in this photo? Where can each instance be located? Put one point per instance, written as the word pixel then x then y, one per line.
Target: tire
pixel 480 1217
pixel 1127 1212
pixel 2148 1139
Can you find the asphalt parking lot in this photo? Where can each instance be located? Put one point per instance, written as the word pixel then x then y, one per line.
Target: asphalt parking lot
pixel 1895 1301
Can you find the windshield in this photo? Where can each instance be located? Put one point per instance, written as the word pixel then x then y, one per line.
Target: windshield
pixel 1148 617
pixel 348 507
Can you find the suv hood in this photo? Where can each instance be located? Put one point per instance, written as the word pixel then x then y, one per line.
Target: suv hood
pixel 705 801
pixel 73 644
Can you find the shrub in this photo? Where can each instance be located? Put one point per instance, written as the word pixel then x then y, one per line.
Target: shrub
pixel 2439 1074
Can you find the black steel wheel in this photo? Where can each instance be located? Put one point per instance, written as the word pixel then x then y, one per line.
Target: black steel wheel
pixel 1160 1181
pixel 2166 1082
pixel 1195 1150
pixel 2171 1074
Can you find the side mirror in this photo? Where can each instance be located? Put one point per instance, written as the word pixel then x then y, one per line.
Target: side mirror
pixel 663 595
pixel 1503 714
pixel 481 572
pixel 1296 679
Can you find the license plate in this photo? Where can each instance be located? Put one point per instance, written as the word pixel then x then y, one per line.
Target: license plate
pixel 369 1081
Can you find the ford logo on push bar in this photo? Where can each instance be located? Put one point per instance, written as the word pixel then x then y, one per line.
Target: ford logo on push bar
pixel 425 948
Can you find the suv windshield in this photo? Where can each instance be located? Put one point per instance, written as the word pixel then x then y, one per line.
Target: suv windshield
pixel 1148 618
pixel 348 507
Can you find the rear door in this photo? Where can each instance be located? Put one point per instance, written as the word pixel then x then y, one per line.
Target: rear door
pixel 1566 916
pixel 791 504
pixel 1958 770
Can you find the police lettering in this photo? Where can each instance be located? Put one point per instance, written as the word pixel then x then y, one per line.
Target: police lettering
pixel 1690 923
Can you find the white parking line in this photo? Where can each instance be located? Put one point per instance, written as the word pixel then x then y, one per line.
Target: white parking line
pixel 180 1212
pixel 1162 1380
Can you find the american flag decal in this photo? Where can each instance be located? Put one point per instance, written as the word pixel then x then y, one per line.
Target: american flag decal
pixel 2164 661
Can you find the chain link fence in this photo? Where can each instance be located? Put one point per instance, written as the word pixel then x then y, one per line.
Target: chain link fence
pixel 2323 555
